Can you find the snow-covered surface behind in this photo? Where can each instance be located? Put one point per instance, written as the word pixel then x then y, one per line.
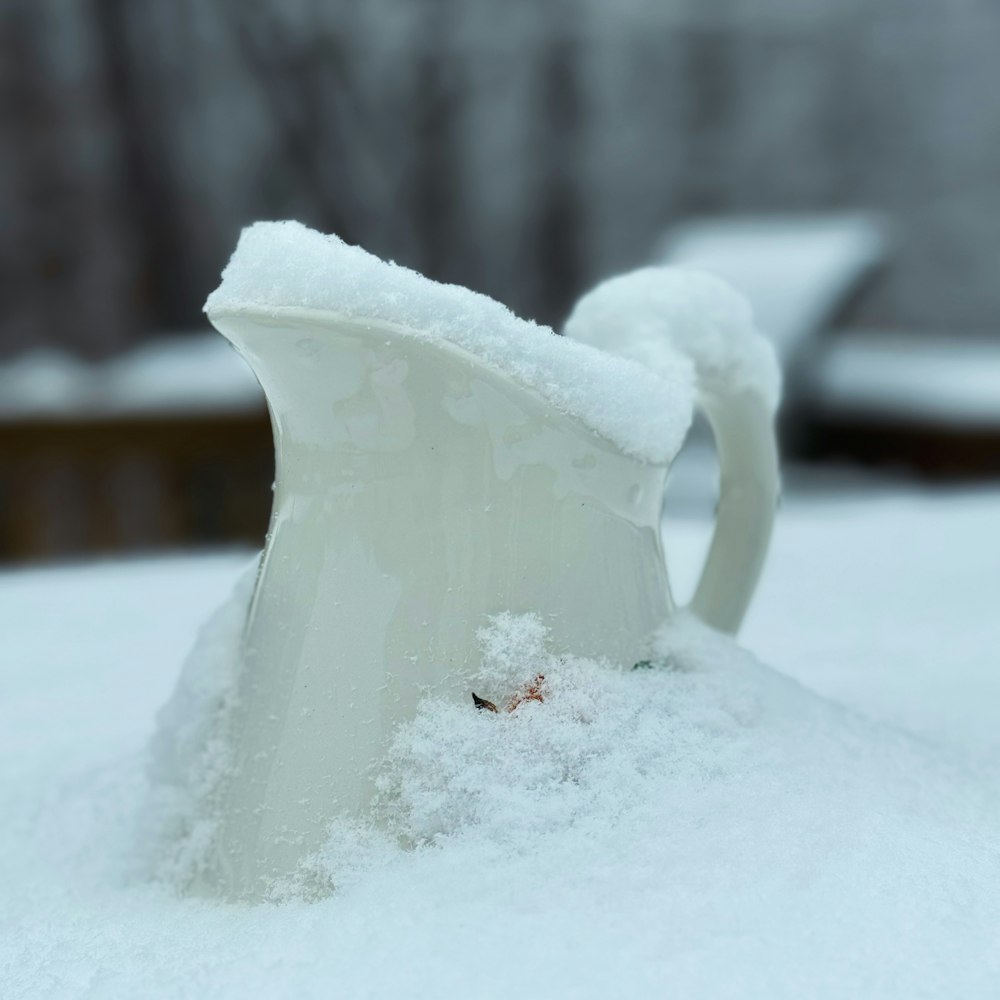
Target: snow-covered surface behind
pixel 714 828
pixel 181 375
pixel 948 381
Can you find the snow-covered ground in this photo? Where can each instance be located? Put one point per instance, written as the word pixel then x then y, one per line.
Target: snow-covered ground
pixel 826 828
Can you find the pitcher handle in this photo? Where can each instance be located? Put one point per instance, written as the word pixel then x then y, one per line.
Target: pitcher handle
pixel 743 424
pixel 655 314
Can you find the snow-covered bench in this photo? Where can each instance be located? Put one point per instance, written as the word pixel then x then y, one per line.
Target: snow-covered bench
pixel 798 271
pixel 931 401
pixel 928 401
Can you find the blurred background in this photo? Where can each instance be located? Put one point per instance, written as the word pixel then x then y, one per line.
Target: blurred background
pixel 840 162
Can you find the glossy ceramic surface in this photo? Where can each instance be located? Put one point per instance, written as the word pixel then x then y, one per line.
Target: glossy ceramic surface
pixel 418 492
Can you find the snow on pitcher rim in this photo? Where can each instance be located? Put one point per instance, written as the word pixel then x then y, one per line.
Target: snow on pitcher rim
pixel 282 268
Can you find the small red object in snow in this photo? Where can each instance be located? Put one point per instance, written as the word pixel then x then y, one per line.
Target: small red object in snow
pixel 531 691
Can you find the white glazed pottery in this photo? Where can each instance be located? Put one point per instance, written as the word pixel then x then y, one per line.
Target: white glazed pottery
pixel 420 490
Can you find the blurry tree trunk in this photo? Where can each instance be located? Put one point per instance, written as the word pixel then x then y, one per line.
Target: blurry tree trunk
pixel 521 148
pixel 146 194
pixel 560 205
pixel 65 252
pixel 436 184
pixel 302 91
pixel 710 90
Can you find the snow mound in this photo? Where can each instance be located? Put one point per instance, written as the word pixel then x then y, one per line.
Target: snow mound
pixel 282 265
pixel 698 821
pixel 654 314
pixel 701 827
pixel 189 752
pixel 702 744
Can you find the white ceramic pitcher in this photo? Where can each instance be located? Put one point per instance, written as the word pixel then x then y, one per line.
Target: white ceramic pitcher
pixel 419 490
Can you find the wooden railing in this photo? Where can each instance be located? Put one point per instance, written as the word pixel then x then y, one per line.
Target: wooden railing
pixel 73 486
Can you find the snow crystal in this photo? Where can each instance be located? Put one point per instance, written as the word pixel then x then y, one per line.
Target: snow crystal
pixel 284 265
pixel 653 314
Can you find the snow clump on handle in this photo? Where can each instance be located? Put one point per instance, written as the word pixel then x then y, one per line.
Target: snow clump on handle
pixel 657 313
